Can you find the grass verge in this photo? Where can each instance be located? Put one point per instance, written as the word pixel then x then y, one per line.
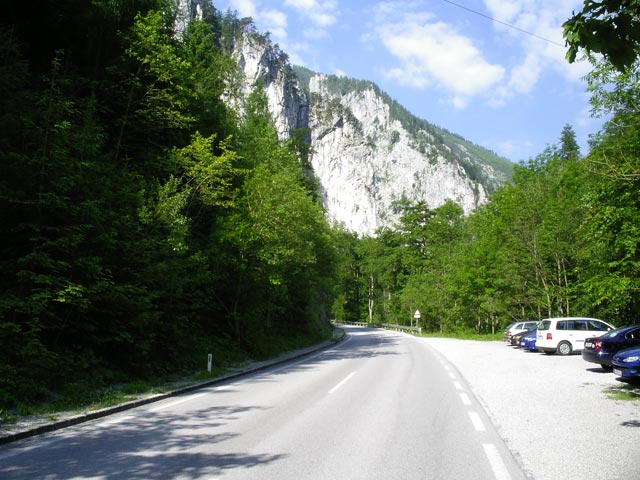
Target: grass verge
pixel 625 392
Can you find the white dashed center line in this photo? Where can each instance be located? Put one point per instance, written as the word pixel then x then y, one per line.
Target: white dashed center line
pixel 334 389
pixel 495 460
pixel 477 422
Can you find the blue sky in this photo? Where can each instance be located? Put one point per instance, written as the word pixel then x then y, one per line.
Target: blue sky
pixel 496 83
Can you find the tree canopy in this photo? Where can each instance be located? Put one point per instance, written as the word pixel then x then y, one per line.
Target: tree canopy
pixel 144 223
pixel 607 27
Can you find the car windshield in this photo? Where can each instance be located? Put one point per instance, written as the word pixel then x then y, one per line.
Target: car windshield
pixel 544 325
pixel 599 326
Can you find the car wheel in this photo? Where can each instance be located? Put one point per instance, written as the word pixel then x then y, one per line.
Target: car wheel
pixel 607 368
pixel 564 348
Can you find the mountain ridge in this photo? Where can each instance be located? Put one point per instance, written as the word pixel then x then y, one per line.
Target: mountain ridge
pixel 368 152
pixel 447 137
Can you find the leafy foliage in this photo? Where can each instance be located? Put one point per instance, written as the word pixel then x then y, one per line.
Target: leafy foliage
pixel 143 225
pixel 608 27
pixel 558 241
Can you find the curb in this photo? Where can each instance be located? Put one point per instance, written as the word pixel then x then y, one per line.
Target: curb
pixel 338 336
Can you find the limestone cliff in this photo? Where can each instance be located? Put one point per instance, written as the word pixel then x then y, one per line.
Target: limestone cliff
pixel 367 151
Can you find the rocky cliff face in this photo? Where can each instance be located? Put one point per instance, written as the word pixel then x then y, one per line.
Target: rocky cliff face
pixel 257 59
pixel 365 159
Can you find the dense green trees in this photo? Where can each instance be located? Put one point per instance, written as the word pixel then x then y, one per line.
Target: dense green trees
pixel 561 239
pixel 144 224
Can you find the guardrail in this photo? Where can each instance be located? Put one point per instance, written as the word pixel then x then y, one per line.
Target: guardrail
pixel 387 326
pixel 403 328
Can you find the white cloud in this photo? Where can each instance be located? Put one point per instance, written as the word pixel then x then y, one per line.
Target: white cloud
pixel 504 10
pixel 321 13
pixel 296 51
pixel 436 53
pixel 459 102
pixel 301 4
pixel 323 19
pixel 523 77
pixel 538 32
pixel 246 8
pixel 275 22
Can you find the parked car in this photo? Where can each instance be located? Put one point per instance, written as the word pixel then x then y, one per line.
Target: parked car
pixel 529 342
pixel 601 349
pixel 565 335
pixel 516 338
pixel 531 334
pixel 626 363
pixel 517 327
pixel 505 334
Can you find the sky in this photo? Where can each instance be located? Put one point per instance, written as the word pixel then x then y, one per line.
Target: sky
pixel 492 71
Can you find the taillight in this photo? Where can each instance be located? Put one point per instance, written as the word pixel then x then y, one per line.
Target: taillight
pixel 598 345
pixel 549 336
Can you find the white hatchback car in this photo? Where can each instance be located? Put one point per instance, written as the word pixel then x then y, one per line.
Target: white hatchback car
pixel 518 327
pixel 565 335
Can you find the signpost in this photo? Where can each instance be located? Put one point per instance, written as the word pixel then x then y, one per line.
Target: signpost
pixel 417 317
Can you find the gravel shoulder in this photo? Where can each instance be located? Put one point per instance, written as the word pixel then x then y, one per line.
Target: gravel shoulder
pixel 555 413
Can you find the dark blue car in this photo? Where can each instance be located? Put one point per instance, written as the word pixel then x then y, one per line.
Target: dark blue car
pixel 524 335
pixel 529 342
pixel 601 349
pixel 626 363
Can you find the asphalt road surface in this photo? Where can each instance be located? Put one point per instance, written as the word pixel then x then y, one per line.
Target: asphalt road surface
pixel 379 405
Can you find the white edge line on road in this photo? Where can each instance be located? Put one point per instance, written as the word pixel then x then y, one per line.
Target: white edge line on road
pixel 495 460
pixel 458 385
pixel 334 389
pixel 477 422
pixel 465 399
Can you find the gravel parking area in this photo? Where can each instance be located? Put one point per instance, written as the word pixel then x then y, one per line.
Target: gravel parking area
pixel 556 413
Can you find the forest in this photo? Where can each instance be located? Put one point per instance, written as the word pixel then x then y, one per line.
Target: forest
pixel 146 224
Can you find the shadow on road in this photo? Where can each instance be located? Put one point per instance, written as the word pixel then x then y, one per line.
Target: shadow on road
pixel 157 445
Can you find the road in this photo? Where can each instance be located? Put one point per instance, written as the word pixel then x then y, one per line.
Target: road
pixel 560 416
pixel 379 405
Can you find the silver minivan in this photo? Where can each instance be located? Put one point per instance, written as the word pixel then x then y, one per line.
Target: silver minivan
pixel 565 335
